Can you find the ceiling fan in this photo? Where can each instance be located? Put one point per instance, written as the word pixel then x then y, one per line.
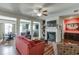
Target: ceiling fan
pixel 41 11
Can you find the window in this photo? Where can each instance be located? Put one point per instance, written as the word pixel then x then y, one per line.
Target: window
pixel 37 26
pixel 35 29
pixel 24 25
pixel 8 28
pixel 27 26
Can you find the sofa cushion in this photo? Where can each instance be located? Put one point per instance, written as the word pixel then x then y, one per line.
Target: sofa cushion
pixel 26 46
pixel 30 42
pixel 37 41
pixel 29 45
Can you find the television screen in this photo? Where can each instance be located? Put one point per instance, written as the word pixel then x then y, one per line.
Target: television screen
pixel 51 23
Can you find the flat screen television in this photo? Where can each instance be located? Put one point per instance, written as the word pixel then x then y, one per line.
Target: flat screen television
pixel 51 23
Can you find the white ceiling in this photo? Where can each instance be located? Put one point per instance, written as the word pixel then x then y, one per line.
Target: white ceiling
pixel 26 9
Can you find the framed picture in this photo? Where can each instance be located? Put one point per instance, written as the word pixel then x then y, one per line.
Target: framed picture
pixel 72 26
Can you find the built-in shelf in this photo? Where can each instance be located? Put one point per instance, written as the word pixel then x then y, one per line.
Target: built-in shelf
pixel 43 28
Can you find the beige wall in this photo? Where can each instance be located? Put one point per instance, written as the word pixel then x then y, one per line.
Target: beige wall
pixel 13 28
pixel 1 30
pixel 17 26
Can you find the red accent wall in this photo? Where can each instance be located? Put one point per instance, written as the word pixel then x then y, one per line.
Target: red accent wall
pixel 69 22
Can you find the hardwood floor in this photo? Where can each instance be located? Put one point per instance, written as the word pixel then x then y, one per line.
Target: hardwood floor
pixel 8 48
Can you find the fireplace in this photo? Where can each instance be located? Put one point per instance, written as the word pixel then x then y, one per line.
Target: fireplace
pixel 51 36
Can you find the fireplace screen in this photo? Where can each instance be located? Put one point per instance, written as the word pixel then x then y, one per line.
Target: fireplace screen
pixel 51 36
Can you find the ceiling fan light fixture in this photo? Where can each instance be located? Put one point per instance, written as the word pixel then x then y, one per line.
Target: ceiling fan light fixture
pixel 39 14
pixel 35 10
pixel 41 11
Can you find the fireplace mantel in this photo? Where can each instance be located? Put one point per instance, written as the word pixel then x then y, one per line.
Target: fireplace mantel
pixel 53 29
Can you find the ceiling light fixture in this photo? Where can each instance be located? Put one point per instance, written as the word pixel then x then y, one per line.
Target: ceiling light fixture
pixel 41 11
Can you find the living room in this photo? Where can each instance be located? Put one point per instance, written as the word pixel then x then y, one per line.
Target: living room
pixel 44 29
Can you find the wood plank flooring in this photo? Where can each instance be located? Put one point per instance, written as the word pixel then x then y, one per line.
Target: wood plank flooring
pixel 8 48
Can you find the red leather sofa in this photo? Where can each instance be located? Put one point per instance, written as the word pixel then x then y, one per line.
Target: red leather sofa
pixel 29 47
